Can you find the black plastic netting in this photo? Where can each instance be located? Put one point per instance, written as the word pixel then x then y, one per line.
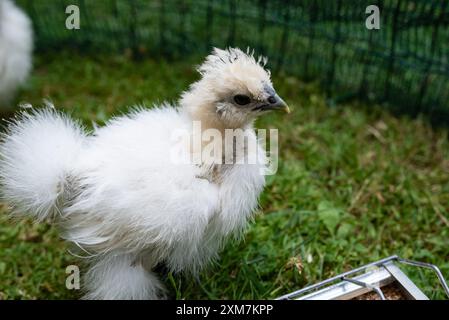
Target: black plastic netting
pixel 405 63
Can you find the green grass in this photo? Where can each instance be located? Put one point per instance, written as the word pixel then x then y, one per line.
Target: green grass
pixel 354 185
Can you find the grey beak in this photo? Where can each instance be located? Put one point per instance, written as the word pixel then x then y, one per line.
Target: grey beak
pixel 276 103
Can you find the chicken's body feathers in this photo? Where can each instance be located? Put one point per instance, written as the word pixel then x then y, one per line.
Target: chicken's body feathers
pixel 115 192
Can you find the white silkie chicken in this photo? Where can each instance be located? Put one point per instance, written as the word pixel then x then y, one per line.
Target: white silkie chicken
pixel 16 44
pixel 119 194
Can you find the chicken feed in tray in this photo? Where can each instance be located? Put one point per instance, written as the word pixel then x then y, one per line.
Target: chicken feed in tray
pixel 380 280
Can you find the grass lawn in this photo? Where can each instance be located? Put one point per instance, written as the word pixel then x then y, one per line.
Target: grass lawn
pixel 355 184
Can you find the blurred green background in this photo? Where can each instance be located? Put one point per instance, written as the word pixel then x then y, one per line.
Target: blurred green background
pixel 364 157
pixel 404 65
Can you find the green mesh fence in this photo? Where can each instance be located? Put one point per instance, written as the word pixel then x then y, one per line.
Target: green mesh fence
pixel 405 63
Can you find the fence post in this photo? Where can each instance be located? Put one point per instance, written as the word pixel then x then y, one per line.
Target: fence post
pixel 132 28
pixel 262 8
pixel 311 39
pixel 331 71
pixel 162 42
pixel 115 10
pixel 366 60
pixel 284 37
pixel 183 11
pixel 89 35
pixel 34 16
pixel 392 55
pixel 209 23
pixel 232 13
pixel 425 81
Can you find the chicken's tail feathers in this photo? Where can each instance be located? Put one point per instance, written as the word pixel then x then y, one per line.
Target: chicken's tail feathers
pixel 36 153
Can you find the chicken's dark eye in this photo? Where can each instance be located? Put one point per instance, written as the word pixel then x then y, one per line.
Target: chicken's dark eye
pixel 241 99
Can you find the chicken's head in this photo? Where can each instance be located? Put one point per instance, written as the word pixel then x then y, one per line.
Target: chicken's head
pixel 233 90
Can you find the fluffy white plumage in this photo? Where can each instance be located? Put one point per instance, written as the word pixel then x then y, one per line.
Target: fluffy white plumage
pixel 116 194
pixel 16 43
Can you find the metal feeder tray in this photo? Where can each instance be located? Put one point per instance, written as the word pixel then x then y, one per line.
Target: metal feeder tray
pixel 375 276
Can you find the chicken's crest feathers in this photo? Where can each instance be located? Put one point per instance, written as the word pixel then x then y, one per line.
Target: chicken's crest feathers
pixel 236 63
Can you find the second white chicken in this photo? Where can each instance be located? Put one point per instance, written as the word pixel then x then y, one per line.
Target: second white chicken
pixel 16 44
